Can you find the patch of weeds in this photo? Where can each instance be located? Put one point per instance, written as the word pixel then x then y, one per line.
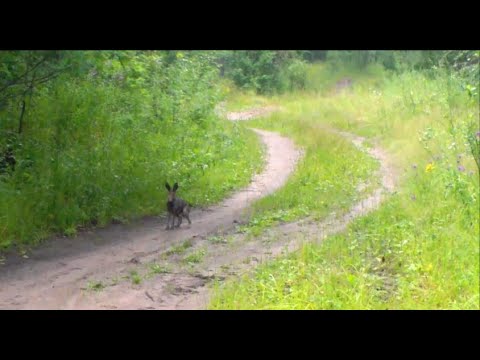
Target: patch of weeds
pixel 180 249
pixel 135 277
pixel 217 240
pixel 195 257
pixel 159 269
pixel 69 232
pixel 95 286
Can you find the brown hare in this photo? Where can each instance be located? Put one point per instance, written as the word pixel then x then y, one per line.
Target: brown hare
pixel 176 207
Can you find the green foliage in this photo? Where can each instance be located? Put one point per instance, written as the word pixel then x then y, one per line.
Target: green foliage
pixel 195 257
pixel 135 277
pixel 314 55
pixel 95 134
pixel 180 249
pixel 420 249
pixel 100 139
pixel 159 269
pixel 359 59
pixel 326 178
pixel 295 74
pixel 464 61
pixel 95 285
pixel 266 72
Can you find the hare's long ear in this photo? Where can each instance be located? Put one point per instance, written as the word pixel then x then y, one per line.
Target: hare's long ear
pixel 167 186
pixel 175 187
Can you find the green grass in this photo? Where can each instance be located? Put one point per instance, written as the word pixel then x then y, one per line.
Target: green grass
pixel 195 257
pixel 326 177
pixel 159 269
pixel 92 184
pixel 243 100
pixel 322 77
pixel 95 286
pixel 179 249
pixel 420 250
pixel 135 277
pixel 217 240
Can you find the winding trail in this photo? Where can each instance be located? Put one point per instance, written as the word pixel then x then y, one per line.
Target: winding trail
pixel 52 277
pixel 56 275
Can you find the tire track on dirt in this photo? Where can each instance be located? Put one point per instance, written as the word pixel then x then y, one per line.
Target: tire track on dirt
pixel 53 275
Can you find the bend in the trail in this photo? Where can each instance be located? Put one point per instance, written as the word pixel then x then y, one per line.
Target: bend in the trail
pixel 53 275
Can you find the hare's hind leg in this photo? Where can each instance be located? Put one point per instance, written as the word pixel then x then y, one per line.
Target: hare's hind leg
pixel 179 220
pixel 186 214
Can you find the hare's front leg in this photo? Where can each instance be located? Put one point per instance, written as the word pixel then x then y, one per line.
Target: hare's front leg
pixel 168 221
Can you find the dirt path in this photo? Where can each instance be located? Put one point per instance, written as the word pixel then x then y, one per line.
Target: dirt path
pixel 141 266
pixel 56 276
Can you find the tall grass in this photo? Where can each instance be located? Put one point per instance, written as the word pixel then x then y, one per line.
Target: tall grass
pixel 96 152
pixel 420 250
pixel 326 177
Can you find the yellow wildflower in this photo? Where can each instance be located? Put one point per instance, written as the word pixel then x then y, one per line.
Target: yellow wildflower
pixel 429 167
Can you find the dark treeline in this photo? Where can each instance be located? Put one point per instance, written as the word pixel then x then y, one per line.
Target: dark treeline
pixel 280 71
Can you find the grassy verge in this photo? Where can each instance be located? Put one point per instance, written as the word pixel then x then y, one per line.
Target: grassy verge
pixel 121 176
pixel 325 179
pixel 420 250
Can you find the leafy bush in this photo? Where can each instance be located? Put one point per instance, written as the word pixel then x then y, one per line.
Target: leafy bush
pixel 100 138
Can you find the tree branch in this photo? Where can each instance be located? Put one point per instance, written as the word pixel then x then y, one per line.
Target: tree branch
pixel 17 81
